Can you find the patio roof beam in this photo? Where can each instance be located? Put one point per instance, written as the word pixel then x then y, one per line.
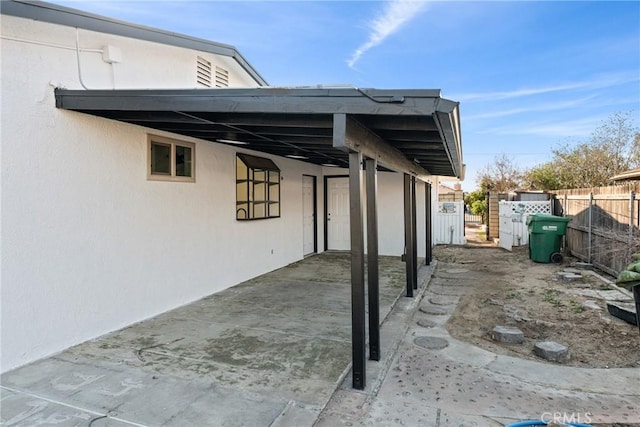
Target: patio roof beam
pixel 417 123
pixel 290 120
pixel 261 100
pixel 350 135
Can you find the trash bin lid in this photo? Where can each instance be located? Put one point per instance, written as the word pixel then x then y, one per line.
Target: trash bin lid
pixel 545 217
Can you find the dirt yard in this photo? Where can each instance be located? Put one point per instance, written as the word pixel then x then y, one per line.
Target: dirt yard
pixel 511 290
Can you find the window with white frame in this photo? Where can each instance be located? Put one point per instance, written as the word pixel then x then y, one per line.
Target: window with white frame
pixel 171 160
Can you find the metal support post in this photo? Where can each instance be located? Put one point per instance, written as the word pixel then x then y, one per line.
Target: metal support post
pixel 414 234
pixel 372 258
pixel 358 339
pixel 428 218
pixel 408 234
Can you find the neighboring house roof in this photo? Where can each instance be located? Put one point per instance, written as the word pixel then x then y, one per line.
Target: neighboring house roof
pixel 55 14
pixel 630 175
pixel 407 130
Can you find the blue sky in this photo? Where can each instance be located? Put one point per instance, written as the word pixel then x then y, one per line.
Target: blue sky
pixel 529 76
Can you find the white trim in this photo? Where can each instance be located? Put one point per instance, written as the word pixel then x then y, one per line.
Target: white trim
pixel 173 143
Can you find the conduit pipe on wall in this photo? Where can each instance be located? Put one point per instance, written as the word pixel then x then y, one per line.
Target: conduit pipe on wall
pixel 75 48
pixel 40 43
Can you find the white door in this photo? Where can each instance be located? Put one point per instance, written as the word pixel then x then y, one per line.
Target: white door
pixel 338 237
pixel 308 215
pixel 506 232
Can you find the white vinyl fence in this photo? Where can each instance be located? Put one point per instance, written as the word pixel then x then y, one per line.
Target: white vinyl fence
pixel 513 221
pixel 448 224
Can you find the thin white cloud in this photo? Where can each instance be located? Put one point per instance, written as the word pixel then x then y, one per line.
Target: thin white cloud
pixel 554 106
pixel 567 128
pixel 596 83
pixel 395 14
pixel 550 106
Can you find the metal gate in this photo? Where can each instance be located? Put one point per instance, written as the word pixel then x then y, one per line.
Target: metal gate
pixel 448 224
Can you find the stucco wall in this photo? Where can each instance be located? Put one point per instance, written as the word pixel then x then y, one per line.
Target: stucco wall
pixel 51 50
pixel 90 245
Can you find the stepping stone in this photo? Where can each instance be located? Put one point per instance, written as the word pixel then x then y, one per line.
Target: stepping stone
pixel 592 304
pixel 507 334
pixel 583 265
pixel 552 351
pixel 451 291
pixel 457 270
pixel 431 343
pixel 442 300
pixel 432 309
pixel 425 323
pixel 569 277
pixel 571 270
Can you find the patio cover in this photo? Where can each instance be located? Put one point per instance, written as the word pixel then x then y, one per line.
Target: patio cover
pixel 411 131
pixel 415 132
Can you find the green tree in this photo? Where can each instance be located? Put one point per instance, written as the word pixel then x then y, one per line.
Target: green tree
pixel 501 175
pixel 543 177
pixel 612 148
pixel 477 202
pixel 635 151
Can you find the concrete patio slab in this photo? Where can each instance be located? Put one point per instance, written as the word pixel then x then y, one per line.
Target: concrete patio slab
pixel 270 351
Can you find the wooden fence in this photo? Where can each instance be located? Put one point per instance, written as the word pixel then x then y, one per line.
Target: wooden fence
pixel 493 216
pixel 604 227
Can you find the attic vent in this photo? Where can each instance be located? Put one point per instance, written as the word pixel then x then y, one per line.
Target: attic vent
pixel 204 72
pixel 222 77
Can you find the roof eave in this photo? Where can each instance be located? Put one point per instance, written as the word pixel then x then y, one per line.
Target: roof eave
pixel 447 118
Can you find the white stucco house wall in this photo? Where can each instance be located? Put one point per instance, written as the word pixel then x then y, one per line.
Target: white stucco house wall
pixel 90 242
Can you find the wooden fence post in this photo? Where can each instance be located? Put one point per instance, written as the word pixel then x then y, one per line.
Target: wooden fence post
pixel 590 226
pixel 632 197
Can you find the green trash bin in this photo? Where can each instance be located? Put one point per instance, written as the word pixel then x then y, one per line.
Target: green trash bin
pixel 545 237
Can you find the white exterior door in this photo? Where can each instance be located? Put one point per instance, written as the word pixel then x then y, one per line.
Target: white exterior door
pixel 506 232
pixel 308 215
pixel 338 237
